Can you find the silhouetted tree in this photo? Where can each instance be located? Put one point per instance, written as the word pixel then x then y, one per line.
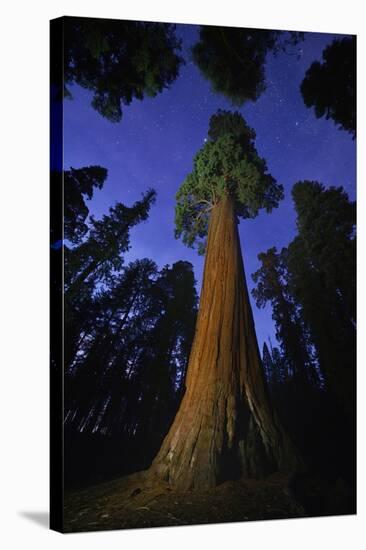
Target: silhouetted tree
pixel 322 264
pixel 92 262
pixel 273 286
pixel 280 372
pixel 233 59
pixel 225 425
pixel 79 185
pixel 330 87
pixel 119 61
pixel 267 364
pixel 128 333
pixel 312 288
pixel 166 353
pixel 278 376
pixel 125 379
pixel 107 239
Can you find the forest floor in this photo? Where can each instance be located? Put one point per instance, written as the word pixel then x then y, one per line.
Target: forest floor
pixel 138 501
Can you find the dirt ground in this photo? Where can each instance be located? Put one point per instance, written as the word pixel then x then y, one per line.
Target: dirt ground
pixel 138 501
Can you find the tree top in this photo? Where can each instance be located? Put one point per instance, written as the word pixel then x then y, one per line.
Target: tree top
pixel 228 164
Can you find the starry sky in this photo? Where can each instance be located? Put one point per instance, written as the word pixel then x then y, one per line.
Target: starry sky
pixel 155 143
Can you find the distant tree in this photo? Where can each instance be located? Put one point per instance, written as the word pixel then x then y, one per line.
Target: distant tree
pixel 330 87
pixel 326 223
pixel 322 263
pixel 167 348
pixel 92 263
pixel 225 407
pixel 127 373
pixel 267 364
pixel 276 368
pixel 272 280
pixel 79 184
pixel 119 60
pixel 107 239
pixel 233 59
pixel 280 371
pixel 93 374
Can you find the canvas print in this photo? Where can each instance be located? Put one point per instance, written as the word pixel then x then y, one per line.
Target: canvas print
pixel 203 274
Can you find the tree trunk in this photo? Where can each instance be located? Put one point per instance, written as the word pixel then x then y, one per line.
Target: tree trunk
pixel 225 427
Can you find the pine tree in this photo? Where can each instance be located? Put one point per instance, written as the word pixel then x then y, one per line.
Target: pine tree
pixel 91 263
pixel 107 239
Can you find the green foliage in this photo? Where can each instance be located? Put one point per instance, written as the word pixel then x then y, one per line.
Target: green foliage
pixel 233 59
pixel 330 87
pixel 225 123
pixel 78 185
pixel 119 60
pixel 228 164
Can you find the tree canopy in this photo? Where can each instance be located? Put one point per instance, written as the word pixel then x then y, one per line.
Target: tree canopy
pixel 79 184
pixel 233 59
pixel 227 164
pixel 119 60
pixel 330 87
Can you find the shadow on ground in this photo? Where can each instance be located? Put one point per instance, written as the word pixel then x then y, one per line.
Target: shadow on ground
pixel 40 518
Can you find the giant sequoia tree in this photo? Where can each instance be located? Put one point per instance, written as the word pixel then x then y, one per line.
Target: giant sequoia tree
pixel 225 426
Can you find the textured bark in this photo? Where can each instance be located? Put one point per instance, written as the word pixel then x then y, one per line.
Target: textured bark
pixel 225 427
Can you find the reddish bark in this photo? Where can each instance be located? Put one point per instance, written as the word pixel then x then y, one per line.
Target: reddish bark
pixel 225 427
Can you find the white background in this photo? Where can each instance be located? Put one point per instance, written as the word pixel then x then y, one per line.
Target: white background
pixel 24 272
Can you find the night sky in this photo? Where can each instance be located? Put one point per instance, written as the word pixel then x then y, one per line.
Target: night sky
pixel 154 146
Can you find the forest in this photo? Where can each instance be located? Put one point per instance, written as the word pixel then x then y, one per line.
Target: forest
pixel 175 411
